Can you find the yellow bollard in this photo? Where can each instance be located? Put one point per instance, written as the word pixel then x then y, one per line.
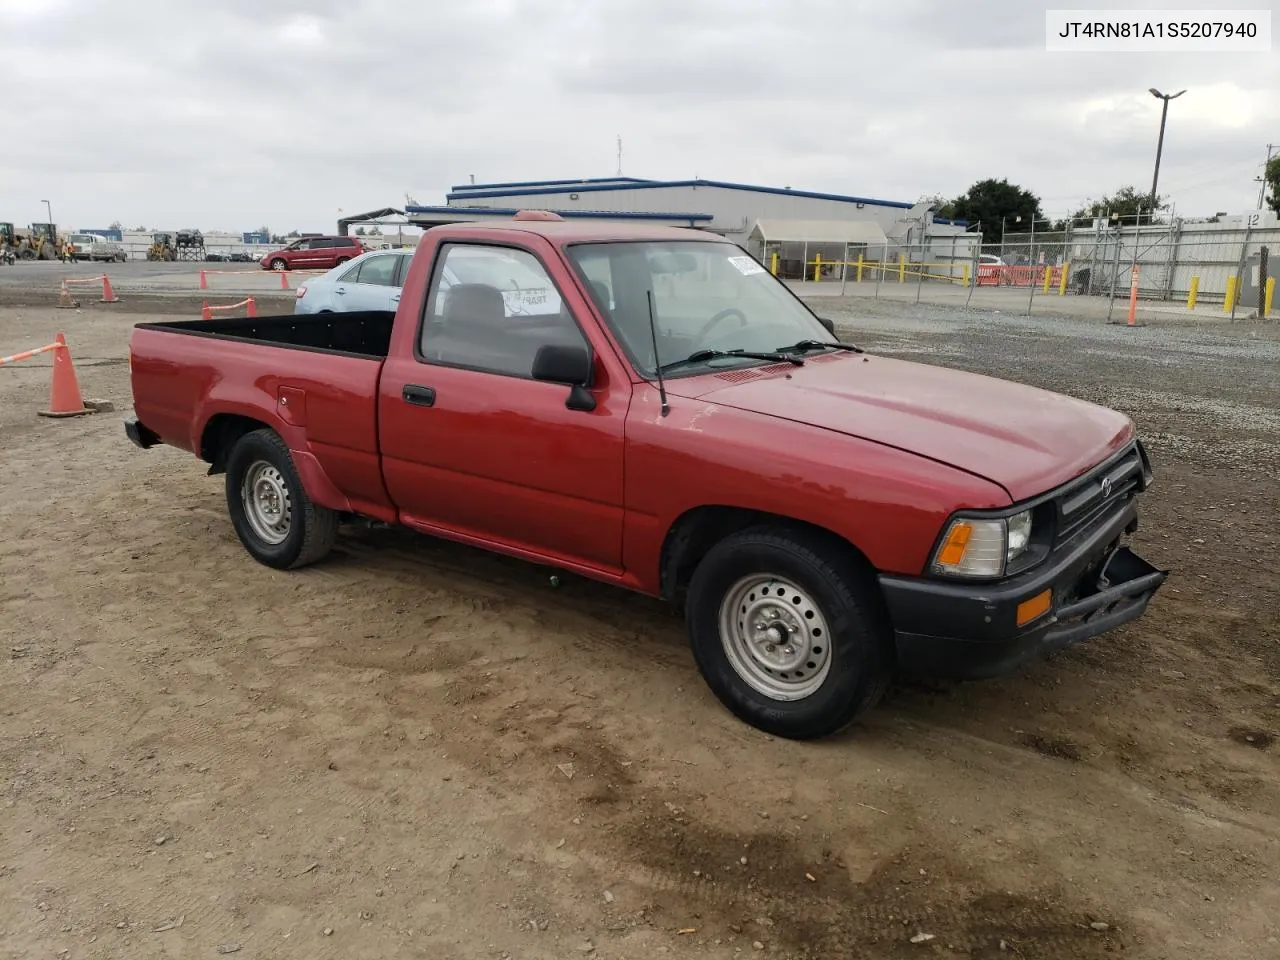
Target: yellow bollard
pixel 902 268
pixel 859 268
pixel 1062 281
pixel 1229 300
pixel 773 263
pixel 1267 298
pixel 1193 292
pixel 817 267
pixel 964 274
pixel 1048 278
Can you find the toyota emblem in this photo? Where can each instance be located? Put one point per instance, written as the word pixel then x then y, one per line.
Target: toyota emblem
pixel 1106 487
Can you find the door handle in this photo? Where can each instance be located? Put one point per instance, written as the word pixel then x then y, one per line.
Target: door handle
pixel 421 396
pixel 395 298
pixel 341 291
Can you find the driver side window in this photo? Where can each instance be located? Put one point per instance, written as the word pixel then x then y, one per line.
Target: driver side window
pixel 491 308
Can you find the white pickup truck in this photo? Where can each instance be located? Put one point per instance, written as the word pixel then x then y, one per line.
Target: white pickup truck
pixel 91 246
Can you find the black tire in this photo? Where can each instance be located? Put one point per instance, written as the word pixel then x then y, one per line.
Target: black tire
pixel 342 260
pixel 840 589
pixel 312 529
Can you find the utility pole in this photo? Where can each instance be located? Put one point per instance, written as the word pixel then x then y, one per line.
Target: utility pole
pixel 619 154
pixel 1164 114
pixel 1262 190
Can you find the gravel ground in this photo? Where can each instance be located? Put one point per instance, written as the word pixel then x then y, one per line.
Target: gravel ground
pixel 417 749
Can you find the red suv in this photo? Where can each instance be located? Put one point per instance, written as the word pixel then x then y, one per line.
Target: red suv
pixel 313 253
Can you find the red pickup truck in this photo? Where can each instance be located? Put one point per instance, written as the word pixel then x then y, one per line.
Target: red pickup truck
pixel 650 407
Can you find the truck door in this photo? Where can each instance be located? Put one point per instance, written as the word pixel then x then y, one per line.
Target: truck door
pixel 475 448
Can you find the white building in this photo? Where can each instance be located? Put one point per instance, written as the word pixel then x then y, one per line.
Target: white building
pixel 798 225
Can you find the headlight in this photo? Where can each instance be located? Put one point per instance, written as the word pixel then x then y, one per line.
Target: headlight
pixel 974 547
pixel 1019 535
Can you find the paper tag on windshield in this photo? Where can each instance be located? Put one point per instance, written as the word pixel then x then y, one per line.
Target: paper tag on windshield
pixel 746 266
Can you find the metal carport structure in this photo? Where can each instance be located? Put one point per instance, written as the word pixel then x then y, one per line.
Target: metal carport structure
pixel 798 249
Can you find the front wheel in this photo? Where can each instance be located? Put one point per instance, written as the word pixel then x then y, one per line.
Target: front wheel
pixel 271 512
pixel 789 631
pixel 278 264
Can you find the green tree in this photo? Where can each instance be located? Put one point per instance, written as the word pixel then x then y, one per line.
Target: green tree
pixel 1128 202
pixel 1272 176
pixel 991 202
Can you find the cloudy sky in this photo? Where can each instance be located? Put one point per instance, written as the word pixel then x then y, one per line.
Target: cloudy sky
pixel 231 114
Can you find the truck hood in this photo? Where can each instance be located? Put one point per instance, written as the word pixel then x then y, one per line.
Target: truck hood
pixel 1023 438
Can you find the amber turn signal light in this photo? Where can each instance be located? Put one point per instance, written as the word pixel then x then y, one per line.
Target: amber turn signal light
pixel 953 550
pixel 1037 606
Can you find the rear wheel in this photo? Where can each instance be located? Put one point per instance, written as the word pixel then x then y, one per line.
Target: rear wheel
pixel 271 512
pixel 342 260
pixel 789 631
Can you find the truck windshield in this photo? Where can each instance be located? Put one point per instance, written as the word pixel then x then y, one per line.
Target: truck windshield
pixel 707 296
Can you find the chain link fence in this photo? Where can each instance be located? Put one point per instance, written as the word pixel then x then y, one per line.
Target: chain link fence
pixel 1179 268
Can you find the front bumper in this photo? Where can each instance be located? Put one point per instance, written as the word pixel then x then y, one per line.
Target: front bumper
pixel 969 630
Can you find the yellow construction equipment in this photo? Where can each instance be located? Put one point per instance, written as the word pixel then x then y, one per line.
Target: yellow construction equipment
pixel 39 242
pixel 183 245
pixel 162 247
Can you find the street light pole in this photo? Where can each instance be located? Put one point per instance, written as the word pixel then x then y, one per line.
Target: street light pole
pixel 1164 114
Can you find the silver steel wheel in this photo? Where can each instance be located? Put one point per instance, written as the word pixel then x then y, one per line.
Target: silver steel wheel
pixel 775 637
pixel 278 265
pixel 267 504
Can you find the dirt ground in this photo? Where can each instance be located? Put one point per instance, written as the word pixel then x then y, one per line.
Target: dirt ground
pixel 419 750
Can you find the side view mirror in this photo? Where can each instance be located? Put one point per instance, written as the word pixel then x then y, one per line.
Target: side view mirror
pixel 831 327
pixel 570 365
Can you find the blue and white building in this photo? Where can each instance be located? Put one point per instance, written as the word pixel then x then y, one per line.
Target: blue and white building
pixel 798 224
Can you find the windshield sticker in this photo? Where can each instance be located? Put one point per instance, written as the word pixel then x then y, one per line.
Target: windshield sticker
pixel 746 266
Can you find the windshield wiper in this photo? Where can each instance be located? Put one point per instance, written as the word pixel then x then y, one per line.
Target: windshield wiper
pixel 700 355
pixel 803 345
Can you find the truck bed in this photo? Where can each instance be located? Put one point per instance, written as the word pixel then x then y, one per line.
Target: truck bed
pixel 364 334
pixel 314 379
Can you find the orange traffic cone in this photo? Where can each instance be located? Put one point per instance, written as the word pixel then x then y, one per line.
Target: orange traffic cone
pixel 108 295
pixel 205 312
pixel 64 388
pixel 64 299
pixel 284 280
pixel 204 281
pixel 252 310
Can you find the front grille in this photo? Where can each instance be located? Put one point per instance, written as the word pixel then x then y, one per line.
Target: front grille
pixel 1099 495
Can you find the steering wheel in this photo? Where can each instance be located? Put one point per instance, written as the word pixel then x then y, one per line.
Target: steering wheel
pixel 724 314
